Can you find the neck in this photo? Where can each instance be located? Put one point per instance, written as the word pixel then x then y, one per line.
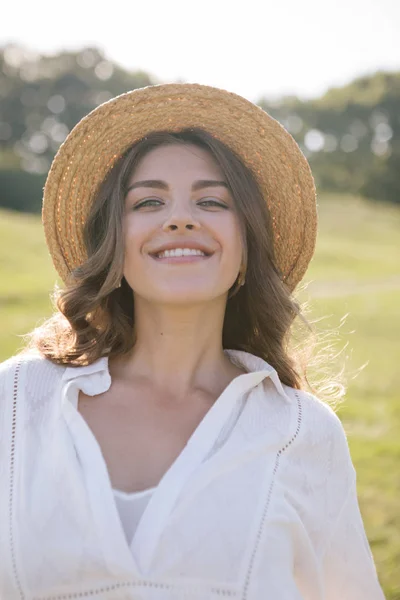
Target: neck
pixel 178 349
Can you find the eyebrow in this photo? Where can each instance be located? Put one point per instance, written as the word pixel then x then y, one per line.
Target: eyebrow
pixel 163 185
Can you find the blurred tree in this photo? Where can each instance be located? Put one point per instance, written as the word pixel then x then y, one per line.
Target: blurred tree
pixel 351 135
pixel 383 181
pixel 41 100
pixel 21 190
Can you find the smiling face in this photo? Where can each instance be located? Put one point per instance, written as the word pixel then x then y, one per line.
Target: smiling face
pixel 178 194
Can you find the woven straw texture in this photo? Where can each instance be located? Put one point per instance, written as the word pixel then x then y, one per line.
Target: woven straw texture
pixel 262 143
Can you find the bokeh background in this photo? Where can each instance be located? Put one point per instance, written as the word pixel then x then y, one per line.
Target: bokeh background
pixel 330 73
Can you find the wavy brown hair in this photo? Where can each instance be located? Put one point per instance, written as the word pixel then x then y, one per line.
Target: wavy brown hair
pixel 95 318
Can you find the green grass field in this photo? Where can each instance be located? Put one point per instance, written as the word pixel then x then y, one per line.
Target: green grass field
pixel 355 272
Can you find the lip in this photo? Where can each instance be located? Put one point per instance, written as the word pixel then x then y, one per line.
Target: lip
pixel 180 259
pixel 192 244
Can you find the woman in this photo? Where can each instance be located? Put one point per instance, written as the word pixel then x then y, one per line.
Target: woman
pixel 158 442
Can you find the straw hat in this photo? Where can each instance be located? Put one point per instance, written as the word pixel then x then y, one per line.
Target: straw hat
pixel 262 143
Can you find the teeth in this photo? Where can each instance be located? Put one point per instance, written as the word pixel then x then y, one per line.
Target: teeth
pixel 180 252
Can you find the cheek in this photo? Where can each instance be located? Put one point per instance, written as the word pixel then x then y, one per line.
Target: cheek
pixel 135 232
pixel 132 243
pixel 232 239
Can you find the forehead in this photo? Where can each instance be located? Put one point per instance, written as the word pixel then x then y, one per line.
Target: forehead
pixel 177 160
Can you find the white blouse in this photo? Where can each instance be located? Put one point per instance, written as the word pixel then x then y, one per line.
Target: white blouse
pixel 131 508
pixel 261 502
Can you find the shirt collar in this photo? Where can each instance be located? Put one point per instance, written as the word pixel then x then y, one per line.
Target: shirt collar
pixel 92 379
pixel 254 364
pixel 95 378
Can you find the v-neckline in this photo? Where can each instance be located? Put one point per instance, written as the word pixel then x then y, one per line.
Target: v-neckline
pixel 136 557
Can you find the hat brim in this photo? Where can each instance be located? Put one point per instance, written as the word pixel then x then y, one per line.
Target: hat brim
pixel 261 142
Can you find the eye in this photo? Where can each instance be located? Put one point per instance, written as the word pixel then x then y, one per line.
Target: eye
pixel 213 202
pixel 146 203
pixel 155 202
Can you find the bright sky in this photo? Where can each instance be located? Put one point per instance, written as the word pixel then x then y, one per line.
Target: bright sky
pixel 250 47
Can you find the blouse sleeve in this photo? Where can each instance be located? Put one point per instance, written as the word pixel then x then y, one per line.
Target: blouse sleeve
pixel 348 566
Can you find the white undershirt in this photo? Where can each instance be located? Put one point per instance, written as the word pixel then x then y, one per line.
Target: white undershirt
pixel 131 508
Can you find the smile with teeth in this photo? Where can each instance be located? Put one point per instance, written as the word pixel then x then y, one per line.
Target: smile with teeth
pixel 180 252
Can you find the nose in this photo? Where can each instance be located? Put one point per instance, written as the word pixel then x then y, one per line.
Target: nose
pixel 180 218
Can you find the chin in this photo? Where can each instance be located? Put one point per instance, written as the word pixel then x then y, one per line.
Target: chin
pixel 182 296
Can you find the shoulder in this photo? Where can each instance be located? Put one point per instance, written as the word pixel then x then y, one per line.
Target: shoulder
pixel 29 366
pixel 28 383
pixel 317 418
pixel 321 440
